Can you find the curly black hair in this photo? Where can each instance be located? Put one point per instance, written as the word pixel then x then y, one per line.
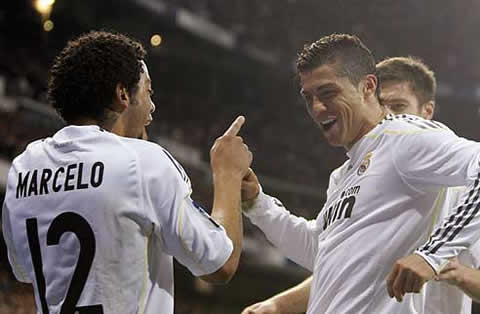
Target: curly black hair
pixel 85 74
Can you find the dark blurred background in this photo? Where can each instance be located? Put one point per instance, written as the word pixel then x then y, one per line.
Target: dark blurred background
pixel 211 60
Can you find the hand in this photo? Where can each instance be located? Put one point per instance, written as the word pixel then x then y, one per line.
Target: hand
pixel 250 186
pixel 466 278
pixel 408 275
pixel 265 307
pixel 229 154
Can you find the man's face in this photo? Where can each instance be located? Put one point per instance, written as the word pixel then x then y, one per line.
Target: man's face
pixel 399 98
pixel 335 104
pixel 139 112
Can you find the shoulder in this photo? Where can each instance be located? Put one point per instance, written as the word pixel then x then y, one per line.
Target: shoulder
pixel 406 124
pixel 156 160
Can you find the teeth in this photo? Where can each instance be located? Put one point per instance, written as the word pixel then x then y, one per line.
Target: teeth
pixel 328 121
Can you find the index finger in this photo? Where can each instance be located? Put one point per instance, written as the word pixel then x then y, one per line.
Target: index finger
pixel 235 126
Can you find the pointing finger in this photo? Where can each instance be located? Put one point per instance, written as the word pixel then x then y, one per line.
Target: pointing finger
pixel 235 126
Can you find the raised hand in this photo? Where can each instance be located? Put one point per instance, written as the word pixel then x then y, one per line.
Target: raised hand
pixel 229 154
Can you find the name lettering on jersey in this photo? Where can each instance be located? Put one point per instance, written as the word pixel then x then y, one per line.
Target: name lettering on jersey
pixel 342 208
pixel 72 177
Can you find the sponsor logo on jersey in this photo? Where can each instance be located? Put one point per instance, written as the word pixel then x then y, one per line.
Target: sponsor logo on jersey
pixel 342 208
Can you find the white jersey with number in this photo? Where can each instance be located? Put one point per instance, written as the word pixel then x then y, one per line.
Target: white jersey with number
pixel 379 208
pixel 93 220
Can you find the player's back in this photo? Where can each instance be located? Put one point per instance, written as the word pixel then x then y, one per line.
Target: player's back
pixel 78 228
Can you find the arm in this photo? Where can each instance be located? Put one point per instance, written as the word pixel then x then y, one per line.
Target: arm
pixel 426 160
pixel 17 265
pixel 230 159
pixel 465 278
pixel 291 301
pixel 294 236
pixel 209 247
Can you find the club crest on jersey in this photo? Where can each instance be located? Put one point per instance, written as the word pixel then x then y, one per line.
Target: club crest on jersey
pixel 365 163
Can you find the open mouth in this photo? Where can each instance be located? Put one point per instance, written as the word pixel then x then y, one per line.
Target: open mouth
pixel 327 124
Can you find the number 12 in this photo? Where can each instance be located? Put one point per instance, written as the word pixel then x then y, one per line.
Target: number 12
pixel 65 222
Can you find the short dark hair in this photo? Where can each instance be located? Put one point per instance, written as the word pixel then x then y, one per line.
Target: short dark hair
pixel 347 52
pixel 412 70
pixel 85 74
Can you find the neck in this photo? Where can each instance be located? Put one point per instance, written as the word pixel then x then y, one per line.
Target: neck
pixel 109 123
pixel 368 125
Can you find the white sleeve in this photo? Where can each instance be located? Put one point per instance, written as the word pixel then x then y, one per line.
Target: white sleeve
pixel 185 230
pixel 17 268
pixel 296 237
pixel 440 158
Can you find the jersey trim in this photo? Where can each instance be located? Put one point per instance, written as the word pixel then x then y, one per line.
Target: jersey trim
pixel 180 232
pixel 416 121
pixel 454 226
pixel 145 277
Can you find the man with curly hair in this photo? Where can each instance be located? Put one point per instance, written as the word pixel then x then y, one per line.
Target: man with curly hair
pixel 93 216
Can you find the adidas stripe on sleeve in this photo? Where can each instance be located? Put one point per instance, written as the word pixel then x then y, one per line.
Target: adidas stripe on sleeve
pixel 436 157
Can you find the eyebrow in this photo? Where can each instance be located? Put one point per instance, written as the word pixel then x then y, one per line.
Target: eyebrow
pixel 393 99
pixel 321 88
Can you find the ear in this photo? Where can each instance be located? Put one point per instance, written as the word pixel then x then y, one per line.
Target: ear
pixel 121 99
pixel 428 110
pixel 370 86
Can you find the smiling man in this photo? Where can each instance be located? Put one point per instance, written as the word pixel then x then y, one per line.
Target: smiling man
pixel 407 86
pixel 381 201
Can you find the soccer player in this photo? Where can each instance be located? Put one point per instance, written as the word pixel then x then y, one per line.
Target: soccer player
pixel 380 203
pixel 92 218
pixel 407 86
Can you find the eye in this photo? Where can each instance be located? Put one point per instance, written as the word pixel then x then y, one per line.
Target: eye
pixel 151 92
pixel 325 95
pixel 307 98
pixel 397 108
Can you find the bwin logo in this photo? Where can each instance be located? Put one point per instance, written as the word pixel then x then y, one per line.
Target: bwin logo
pixel 342 208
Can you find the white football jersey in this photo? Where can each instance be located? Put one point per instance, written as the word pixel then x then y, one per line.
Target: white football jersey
pixel 440 297
pixel 93 220
pixel 379 208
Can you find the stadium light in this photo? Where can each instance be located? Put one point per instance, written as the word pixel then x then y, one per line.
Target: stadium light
pixel 44 7
pixel 156 40
pixel 48 25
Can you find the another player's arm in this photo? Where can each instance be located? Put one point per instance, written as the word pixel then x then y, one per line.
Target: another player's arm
pixel 438 157
pixel 464 277
pixel 291 301
pixel 230 160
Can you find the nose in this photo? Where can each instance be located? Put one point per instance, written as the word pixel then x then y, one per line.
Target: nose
pixel 152 109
